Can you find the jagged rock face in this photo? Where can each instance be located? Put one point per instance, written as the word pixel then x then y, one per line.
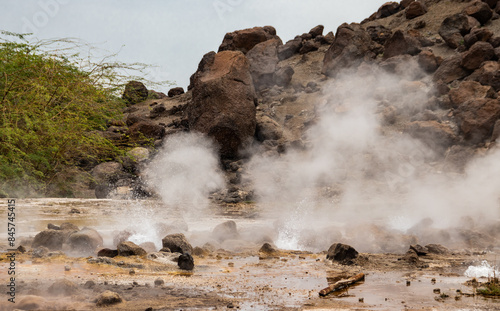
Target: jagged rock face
pixel 244 40
pixel 351 46
pixel 223 102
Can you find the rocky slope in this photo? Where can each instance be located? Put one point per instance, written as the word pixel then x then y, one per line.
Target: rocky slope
pixel 258 93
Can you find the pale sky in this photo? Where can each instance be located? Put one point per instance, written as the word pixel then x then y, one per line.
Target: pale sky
pixel 173 34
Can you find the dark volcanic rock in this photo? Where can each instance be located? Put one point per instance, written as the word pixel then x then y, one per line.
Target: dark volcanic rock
pixel 177 243
pixel 51 239
pixel 106 252
pixel 400 44
pixel 317 31
pixel 379 33
pixel 341 252
pixel 477 54
pixel 387 9
pixel 428 61
pixel 487 74
pixel 135 92
pixel 419 249
pixel 175 91
pixel 186 262
pixel 267 128
pixel 468 90
pixel 352 45
pixel 130 249
pixel 415 9
pixel 477 34
pixel 289 49
pixel 480 11
pixel 450 70
pixel 453 29
pixel 223 103
pixel 147 129
pixel 244 40
pixel 437 135
pixel 283 76
pixel 263 59
pixel 437 249
pixel 476 118
pixel 309 46
pixel 267 249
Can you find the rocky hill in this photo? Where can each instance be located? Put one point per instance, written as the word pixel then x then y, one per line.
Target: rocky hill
pixel 430 67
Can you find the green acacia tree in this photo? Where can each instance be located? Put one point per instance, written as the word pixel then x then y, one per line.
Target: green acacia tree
pixel 52 108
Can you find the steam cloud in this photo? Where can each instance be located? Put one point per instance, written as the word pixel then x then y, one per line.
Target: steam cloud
pixel 357 178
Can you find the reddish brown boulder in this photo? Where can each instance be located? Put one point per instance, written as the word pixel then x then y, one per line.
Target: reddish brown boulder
pixel 477 34
pixel 468 90
pixel 477 118
pixel 400 44
pixel 135 92
pixel 405 3
pixel 453 29
pixel 309 46
pixel 450 70
pixel 85 240
pixel 263 59
pixel 352 45
pixel 290 48
pixel 175 91
pixel 244 40
pixel 147 129
pixel 415 9
pixel 51 239
pixel 428 61
pixel 130 249
pixel 317 31
pixel 480 11
pixel 477 54
pixel 491 3
pixel 487 74
pixel 387 9
pixel 223 102
pixel 437 135
pixel 283 76
pixel 379 33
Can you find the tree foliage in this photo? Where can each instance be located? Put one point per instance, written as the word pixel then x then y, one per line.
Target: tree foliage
pixel 51 110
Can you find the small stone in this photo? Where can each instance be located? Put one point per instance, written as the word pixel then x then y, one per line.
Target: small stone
pixel 132 271
pixel 159 282
pixel 67 268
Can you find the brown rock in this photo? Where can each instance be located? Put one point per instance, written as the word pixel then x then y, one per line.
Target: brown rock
pixel 415 9
pixel 175 91
pixel 387 9
pixel 341 252
pixel 437 135
pixel 317 31
pixel 477 54
pixel 476 118
pixel 206 61
pixel 63 288
pixel 108 298
pixel 453 29
pixel 405 3
pixel 69 226
pixel 226 231
pixel 85 240
pixel 477 34
pixel 106 252
pixel 267 128
pixel 480 11
pixel 351 46
pixel 135 92
pixel 400 44
pixel 496 131
pixel 437 249
pixel 487 74
pixel 289 49
pixel 263 59
pixel 491 3
pixel 309 46
pixel 283 76
pixel 468 90
pixel 177 243
pixel 450 70
pixel 428 61
pixel 419 249
pixel 223 103
pixel 130 249
pixel 147 129
pixel 379 33
pixel 51 239
pixel 31 302
pixel 329 37
pixel 244 40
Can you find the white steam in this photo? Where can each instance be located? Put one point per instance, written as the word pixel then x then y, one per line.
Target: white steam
pixel 360 169
pixel 185 172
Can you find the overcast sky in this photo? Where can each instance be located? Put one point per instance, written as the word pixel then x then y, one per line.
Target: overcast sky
pixel 172 34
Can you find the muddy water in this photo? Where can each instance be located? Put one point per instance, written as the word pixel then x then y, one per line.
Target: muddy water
pixel 289 281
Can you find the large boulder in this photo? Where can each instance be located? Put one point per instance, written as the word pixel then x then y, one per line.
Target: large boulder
pixel 135 92
pixel 175 91
pixel 415 9
pixel 225 231
pixel 85 241
pixel 487 74
pixel 428 61
pixel 352 45
pixel 267 128
pixel 63 287
pixel 185 262
pixel 480 11
pixel 317 31
pixel 477 118
pixel 108 298
pixel 450 70
pixel 400 44
pixel 342 253
pixel 51 239
pixel 468 90
pixel 107 172
pixel 283 76
pixel 223 102
pixel 453 29
pixel 177 243
pixel 147 129
pixel 263 59
pixel 477 54
pixel 244 40
pixel 477 34
pixel 438 136
pixel 130 249
pixel 387 9
pixel 290 48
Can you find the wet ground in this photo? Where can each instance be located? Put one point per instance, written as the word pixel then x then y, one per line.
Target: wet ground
pixel 225 279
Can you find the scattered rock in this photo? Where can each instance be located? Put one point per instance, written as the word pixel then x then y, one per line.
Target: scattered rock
pixel 411 257
pixel 186 262
pixel 436 135
pixel 309 46
pixel 244 40
pixel 487 74
pixel 135 92
pixel 437 249
pixel 450 70
pixel 476 118
pixel 267 249
pixel 267 128
pixel 480 11
pixel 428 61
pixel 223 103
pixel 177 243
pixel 342 253
pixel 63 287
pixel 40 252
pixel 400 44
pixel 85 241
pixel 415 9
pixel 146 129
pixel 453 29
pixel 476 35
pixel 130 249
pixel 289 49
pixel 379 33
pixel 477 54
pixel 175 91
pixel 468 90
pixel 108 298
pixel 51 239
pixel 387 9
pixel 159 282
